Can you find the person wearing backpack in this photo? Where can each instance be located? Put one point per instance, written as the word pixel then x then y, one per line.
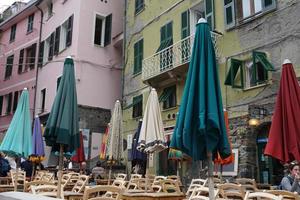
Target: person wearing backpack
pixel 4 166
pixel 291 182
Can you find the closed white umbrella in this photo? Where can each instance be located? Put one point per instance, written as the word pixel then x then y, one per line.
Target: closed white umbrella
pixel 152 137
pixel 114 147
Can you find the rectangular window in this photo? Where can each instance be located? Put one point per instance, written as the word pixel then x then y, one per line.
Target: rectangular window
pixel 139 6
pixel 232 78
pixel 50 9
pixel 13 30
pixel 138 56
pixel 168 97
pixel 43 100
pixel 8 103
pixel 229 13
pixel 32 56
pixel 102 34
pixel 21 61
pixel 9 66
pixel 16 97
pixel 41 54
pixel 56 42
pixel 46 50
pixel 209 13
pixel 185 24
pixel 30 23
pixel 137 110
pixel 1 104
pixel 51 47
pixel 58 82
pixel 69 31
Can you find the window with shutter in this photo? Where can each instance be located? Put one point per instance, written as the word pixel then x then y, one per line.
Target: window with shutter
pixel 108 26
pixel 185 24
pixel 69 31
pixel 32 56
pixel 30 23
pixel 41 54
pixel 43 100
pixel 98 30
pixel 137 110
pixel 13 30
pixel 138 56
pixel 57 38
pixel 21 61
pixel 166 40
pixel 209 13
pixel 229 14
pixel 139 6
pixel 9 66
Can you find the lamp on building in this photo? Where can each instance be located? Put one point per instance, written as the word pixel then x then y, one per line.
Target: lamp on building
pixel 254 122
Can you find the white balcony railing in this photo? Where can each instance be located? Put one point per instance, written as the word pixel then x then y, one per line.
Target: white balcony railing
pixel 171 57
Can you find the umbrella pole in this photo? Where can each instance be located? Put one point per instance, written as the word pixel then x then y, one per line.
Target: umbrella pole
pixel 210 176
pixel 109 173
pixel 33 171
pixel 16 175
pixel 61 151
pixel 221 172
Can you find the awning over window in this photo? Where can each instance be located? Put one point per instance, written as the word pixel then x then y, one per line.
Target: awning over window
pixel 135 101
pixel 165 44
pixel 262 58
pixel 234 68
pixel 166 93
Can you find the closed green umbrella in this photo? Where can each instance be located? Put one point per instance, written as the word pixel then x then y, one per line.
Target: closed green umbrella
pixel 200 128
pixel 62 128
pixel 18 138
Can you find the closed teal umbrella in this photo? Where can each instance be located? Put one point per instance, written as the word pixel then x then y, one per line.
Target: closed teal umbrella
pixel 18 138
pixel 200 128
pixel 62 128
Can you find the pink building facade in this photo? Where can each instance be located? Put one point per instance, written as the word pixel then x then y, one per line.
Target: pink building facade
pixel 19 39
pixel 91 33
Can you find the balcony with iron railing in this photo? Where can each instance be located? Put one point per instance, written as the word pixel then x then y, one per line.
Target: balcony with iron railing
pixel 170 59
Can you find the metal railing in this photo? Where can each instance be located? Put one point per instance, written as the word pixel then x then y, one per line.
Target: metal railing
pixel 171 57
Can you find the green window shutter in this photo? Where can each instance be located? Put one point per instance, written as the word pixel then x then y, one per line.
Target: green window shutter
pixel 137 110
pixel 141 54
pixel 262 58
pixel 138 56
pixel 268 4
pixel 1 104
pixel 231 75
pixel 56 42
pixel 107 36
pixel 169 34
pixel 21 59
pixel 167 93
pixel 229 13
pixel 139 5
pixel 9 66
pixel 185 24
pixel 32 56
pixel 16 97
pixel 41 54
pixel 209 13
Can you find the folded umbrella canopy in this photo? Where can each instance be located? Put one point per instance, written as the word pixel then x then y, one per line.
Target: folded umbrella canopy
pixel 135 154
pixel 38 151
pixel 284 136
pixel 200 130
pixel 152 138
pixel 104 142
pixel 17 141
pixel 62 128
pixel 79 156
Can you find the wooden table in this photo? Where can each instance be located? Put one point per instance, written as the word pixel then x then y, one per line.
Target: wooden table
pixel 152 196
pixel 73 195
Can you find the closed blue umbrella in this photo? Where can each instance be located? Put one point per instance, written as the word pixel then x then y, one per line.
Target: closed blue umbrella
pixel 200 130
pixel 38 149
pixel 135 154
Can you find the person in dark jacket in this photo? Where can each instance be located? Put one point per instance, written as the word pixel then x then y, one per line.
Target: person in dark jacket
pixel 4 166
pixel 26 165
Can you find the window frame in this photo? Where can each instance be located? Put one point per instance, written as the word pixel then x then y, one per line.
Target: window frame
pixel 137 108
pixel 106 30
pixel 30 23
pixel 9 67
pixel 13 31
pixel 43 100
pixel 171 101
pixel 9 99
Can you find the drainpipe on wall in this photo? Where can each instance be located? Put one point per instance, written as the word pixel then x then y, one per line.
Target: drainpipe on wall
pixel 37 68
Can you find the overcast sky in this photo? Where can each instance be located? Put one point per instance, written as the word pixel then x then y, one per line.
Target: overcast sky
pixel 5 3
